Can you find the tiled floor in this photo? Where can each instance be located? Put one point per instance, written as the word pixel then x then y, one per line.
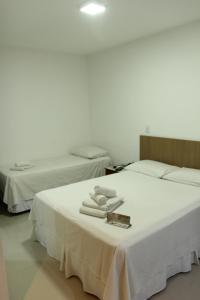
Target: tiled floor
pixel 33 275
pixel 3 277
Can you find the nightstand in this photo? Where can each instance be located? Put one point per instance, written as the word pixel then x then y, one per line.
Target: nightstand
pixel 110 170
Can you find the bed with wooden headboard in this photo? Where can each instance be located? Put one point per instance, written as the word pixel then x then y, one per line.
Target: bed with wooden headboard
pixel 182 153
pixel 129 264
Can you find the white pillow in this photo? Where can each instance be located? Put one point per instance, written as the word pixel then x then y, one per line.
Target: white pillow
pixel 185 175
pixel 89 152
pixel 151 168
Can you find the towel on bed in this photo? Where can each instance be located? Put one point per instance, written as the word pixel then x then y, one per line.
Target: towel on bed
pixel 23 164
pixel 110 204
pixel 98 199
pixel 98 212
pixel 93 212
pixel 15 168
pixel 105 191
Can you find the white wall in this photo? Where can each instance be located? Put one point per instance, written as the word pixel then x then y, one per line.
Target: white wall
pixel 43 104
pixel 154 81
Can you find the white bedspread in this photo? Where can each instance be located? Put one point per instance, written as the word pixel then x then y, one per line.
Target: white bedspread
pixel 20 186
pixel 115 263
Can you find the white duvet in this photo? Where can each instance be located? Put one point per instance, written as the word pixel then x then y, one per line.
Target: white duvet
pixel 115 263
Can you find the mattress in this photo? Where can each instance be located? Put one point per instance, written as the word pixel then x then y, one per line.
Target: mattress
pixel 19 187
pixel 115 263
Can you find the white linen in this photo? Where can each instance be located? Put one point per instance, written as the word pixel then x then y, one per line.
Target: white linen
pixel 21 168
pixel 23 206
pixel 98 199
pixel 185 175
pixel 89 152
pixel 111 202
pixel 105 191
pixel 23 164
pixel 115 263
pixel 151 167
pixel 47 173
pixel 100 213
pixel 93 212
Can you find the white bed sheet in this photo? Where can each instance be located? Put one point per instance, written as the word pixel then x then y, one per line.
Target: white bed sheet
pixel 114 263
pixel 19 187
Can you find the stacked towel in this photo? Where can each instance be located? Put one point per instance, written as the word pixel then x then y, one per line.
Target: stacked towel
pixel 100 190
pixel 102 201
pixel 93 212
pixel 24 164
pixel 98 199
pixel 21 166
pixel 110 204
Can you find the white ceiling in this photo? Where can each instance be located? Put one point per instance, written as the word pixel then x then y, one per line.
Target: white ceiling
pixel 58 25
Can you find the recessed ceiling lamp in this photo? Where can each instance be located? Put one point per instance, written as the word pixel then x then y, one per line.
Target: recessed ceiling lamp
pixel 93 8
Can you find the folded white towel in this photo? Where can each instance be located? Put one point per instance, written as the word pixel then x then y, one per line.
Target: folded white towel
pixel 93 212
pixel 17 169
pixel 111 203
pixel 98 199
pixel 21 168
pixel 105 191
pixel 98 212
pixel 23 164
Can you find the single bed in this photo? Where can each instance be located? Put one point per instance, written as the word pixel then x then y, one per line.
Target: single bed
pixel 17 188
pixel 114 263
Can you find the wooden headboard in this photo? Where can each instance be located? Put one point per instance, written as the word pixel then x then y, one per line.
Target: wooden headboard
pixel 182 153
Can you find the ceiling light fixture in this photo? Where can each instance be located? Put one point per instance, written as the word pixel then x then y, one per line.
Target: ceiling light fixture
pixel 93 8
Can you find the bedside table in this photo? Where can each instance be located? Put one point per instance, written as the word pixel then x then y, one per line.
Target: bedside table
pixel 117 169
pixel 110 170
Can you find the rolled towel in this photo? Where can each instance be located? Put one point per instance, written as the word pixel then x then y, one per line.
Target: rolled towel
pixel 111 203
pixel 105 191
pixel 23 164
pixel 98 199
pixel 93 212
